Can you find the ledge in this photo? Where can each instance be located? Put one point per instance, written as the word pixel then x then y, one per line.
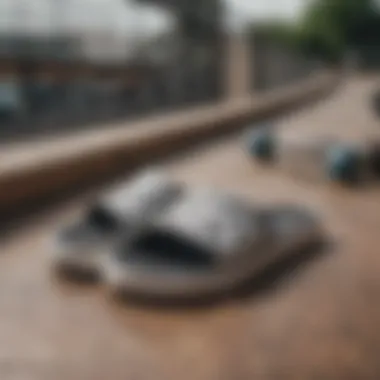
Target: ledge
pixel 32 171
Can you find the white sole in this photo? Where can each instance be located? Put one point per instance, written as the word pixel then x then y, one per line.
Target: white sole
pixel 69 257
pixel 129 279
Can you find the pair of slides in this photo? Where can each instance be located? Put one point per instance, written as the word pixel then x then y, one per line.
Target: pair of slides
pixel 312 158
pixel 154 236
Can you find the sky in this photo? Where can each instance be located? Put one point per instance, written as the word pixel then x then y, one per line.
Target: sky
pixel 246 10
pixel 121 16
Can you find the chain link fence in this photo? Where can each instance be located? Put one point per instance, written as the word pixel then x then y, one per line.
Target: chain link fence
pixel 31 106
pixel 34 107
pixel 274 65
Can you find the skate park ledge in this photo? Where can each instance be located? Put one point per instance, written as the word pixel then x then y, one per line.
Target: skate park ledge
pixel 33 171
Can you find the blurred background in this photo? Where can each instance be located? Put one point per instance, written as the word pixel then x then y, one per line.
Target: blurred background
pixel 72 66
pixel 75 64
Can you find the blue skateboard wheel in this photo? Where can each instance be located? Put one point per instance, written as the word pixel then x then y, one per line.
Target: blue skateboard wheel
pixel 261 145
pixel 376 103
pixel 344 164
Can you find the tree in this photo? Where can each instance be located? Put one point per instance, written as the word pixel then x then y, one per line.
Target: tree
pixel 330 27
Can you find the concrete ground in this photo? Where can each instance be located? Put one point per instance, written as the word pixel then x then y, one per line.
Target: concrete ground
pixel 319 320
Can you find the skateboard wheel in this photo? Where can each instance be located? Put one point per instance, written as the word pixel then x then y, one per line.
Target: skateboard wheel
pixel 344 164
pixel 376 103
pixel 261 145
pixel 374 159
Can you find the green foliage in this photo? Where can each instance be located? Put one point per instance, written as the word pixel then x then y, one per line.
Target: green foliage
pixel 330 27
pixel 337 25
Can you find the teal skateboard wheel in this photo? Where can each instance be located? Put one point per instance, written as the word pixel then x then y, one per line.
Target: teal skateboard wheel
pixel 261 145
pixel 373 158
pixel 376 103
pixel 344 165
